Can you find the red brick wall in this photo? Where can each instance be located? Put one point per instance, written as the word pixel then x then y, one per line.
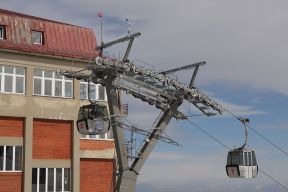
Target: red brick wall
pixel 96 175
pixel 10 182
pixel 52 139
pixel 89 144
pixel 11 126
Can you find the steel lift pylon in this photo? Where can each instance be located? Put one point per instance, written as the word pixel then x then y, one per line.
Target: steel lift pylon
pixel 127 175
pixel 158 89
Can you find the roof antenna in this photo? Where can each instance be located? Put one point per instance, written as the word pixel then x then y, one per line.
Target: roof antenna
pixel 100 14
pixel 129 26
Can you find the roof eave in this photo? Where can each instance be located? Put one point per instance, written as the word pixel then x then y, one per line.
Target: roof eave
pixel 47 56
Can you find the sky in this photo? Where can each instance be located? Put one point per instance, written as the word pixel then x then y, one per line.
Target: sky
pixel 244 43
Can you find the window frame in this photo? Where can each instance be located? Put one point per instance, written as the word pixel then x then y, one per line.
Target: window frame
pixel 4 170
pixel 2 32
pixel 254 161
pixel 54 178
pixel 97 92
pixel 107 136
pixel 14 76
pixel 41 37
pixel 53 80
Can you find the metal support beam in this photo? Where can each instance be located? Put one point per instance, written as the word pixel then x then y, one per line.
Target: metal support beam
pixel 123 39
pixel 126 177
pixel 118 133
pixel 193 77
pixel 128 49
pixel 186 67
pixel 152 139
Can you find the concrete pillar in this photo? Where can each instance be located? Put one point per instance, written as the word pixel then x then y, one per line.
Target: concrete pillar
pixel 76 160
pixel 76 89
pixel 29 81
pixel 76 144
pixel 28 135
pixel 28 145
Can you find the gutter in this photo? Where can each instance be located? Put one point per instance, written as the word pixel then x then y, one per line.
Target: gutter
pixel 46 56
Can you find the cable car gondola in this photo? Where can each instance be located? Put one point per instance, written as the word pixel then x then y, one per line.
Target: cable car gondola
pixel 93 119
pixel 241 162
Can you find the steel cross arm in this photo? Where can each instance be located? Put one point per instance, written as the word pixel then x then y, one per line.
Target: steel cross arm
pixel 152 138
pixel 125 58
pixel 145 91
pixel 128 68
pixel 186 67
pixel 123 39
pixel 191 85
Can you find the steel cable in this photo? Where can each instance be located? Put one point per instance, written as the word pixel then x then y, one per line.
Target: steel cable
pixel 261 135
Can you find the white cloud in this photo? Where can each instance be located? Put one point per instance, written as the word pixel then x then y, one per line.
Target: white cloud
pixel 144 187
pixel 240 110
pixel 236 109
pixel 278 126
pixel 166 167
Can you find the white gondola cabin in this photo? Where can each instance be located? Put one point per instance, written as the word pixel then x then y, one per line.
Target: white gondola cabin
pixel 93 119
pixel 241 163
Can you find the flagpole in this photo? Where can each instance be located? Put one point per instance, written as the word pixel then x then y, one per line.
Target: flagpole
pixel 101 30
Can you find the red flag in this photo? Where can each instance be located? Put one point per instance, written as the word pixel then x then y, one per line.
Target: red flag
pixel 100 14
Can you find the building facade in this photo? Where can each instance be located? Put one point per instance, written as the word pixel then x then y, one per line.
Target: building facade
pixel 40 147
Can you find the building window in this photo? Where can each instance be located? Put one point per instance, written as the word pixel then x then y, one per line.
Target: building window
pixel 50 83
pixel 2 32
pixel 10 158
pixel 97 91
pixel 37 37
pixel 105 136
pixel 12 79
pixel 50 179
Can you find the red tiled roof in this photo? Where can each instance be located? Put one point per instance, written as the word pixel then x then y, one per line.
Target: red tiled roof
pixel 60 39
